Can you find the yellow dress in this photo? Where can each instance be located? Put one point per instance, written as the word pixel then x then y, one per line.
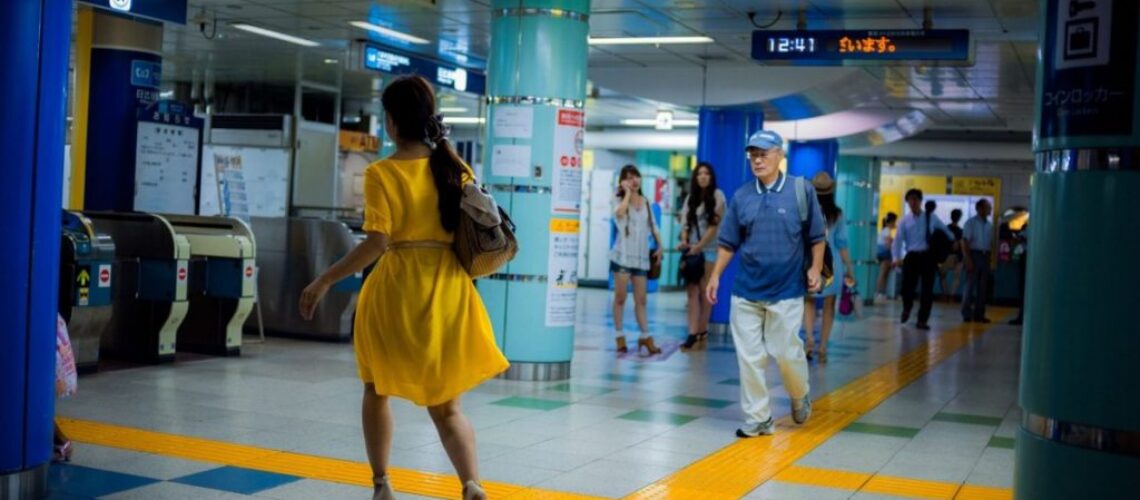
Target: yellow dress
pixel 422 332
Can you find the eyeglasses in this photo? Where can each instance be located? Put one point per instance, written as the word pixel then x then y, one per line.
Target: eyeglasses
pixel 761 154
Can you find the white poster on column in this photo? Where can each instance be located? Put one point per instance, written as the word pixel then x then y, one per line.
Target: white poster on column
pixel 166 164
pixel 513 122
pixel 562 273
pixel 566 188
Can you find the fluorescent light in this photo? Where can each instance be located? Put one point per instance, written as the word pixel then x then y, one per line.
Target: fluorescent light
pixel 452 110
pixel 650 40
pixel 463 120
pixel 651 122
pixel 389 32
pixel 274 34
pixel 331 61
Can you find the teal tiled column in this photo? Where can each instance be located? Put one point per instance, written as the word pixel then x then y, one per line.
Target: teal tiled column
pixel 858 196
pixel 537 87
pixel 1080 434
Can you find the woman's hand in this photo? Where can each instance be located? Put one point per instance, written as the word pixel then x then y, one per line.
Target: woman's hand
pixel 684 245
pixel 311 296
pixel 657 254
pixel 849 279
pixel 693 250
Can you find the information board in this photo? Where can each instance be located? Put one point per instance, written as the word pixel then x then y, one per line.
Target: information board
pixel 835 47
pixel 166 159
pixel 244 181
pixel 376 58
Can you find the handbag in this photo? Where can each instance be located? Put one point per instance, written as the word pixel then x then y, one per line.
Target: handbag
pixel 691 268
pixel 654 262
pixel 485 238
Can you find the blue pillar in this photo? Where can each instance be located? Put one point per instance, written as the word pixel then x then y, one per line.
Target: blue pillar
pixel 721 138
pixel 34 44
pixel 1080 432
pixel 533 165
pixel 807 158
pixel 125 72
pixel 858 195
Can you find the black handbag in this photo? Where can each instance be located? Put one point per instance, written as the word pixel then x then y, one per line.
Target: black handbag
pixel 692 267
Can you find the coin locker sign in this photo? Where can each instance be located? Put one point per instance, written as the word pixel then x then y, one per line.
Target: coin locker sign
pixel 569 135
pixel 1088 73
pixel 562 273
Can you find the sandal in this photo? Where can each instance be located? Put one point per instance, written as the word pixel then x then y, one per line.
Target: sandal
pixel 473 491
pixel 62 452
pixel 381 490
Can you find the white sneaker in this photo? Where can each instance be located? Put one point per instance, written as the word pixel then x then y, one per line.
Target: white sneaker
pixel 762 429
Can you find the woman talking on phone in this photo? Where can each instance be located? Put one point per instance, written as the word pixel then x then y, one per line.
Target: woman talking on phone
pixel 630 258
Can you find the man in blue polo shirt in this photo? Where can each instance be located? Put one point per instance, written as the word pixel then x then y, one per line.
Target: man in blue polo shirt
pixel 764 225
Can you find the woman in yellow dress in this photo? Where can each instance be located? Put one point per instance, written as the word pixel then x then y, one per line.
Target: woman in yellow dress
pixel 421 332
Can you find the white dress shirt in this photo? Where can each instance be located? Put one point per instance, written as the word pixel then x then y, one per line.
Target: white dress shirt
pixel 910 236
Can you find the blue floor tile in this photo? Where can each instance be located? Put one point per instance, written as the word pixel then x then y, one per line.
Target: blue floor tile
pixel 72 480
pixel 66 496
pixel 237 480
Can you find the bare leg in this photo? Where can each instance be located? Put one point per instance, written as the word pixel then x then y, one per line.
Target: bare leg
pixel 621 285
pixel 809 325
pixel 825 329
pixel 695 308
pixel 641 302
pixel 458 437
pixel 706 306
pixel 884 270
pixel 376 420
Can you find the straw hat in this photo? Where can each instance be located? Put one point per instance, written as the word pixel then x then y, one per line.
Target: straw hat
pixel 823 183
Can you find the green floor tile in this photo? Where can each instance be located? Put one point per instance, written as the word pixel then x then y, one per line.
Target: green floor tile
pixel 632 379
pixel 962 418
pixel 882 430
pixel 531 403
pixel 729 381
pixel 657 417
pixel 581 389
pixel 702 402
pixel 1000 442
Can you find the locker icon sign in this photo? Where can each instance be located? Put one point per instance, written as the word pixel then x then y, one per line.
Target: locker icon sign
pixel 1081 38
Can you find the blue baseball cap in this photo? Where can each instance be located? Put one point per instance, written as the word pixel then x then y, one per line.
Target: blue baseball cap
pixel 765 139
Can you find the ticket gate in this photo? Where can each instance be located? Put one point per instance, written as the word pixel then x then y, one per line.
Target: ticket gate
pixel 85 286
pixel 291 253
pixel 150 301
pixel 222 283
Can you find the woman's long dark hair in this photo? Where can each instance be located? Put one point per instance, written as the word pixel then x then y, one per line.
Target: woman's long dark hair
pixel 705 196
pixel 410 102
pixel 627 172
pixel 831 211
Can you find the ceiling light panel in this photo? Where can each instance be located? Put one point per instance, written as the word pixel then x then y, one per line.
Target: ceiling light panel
pixel 651 40
pixel 388 32
pixel 257 30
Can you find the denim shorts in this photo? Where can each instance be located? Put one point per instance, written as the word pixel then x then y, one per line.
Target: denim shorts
pixel 620 269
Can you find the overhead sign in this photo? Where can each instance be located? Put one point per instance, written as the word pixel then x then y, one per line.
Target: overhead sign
pixel 1088 73
pixel 173 11
pixel 836 47
pixel 375 58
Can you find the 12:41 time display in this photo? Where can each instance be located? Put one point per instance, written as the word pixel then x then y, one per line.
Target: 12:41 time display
pixel 789 44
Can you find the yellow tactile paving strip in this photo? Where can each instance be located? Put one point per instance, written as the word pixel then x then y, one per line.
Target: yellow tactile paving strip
pixel 743 466
pixel 888 485
pixel 283 462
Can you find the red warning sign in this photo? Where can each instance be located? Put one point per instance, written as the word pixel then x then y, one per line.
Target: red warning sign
pixel 182 274
pixel 104 276
pixel 248 271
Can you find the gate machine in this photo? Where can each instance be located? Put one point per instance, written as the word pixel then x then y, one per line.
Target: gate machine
pixel 85 286
pixel 150 289
pixel 222 282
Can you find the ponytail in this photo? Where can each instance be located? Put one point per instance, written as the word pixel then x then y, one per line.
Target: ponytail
pixel 447 170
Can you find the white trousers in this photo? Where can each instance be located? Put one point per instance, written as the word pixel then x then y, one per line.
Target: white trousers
pixel 768 329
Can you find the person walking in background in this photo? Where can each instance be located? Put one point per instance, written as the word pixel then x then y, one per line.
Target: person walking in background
pixel 911 252
pixel 836 234
pixel 977 240
pixel 700 219
pixel 886 241
pixel 1021 253
pixel 422 332
pixel 630 258
pixel 765 224
pixel 951 268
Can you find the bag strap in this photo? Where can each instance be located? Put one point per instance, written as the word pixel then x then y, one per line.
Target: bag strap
pixel 801 199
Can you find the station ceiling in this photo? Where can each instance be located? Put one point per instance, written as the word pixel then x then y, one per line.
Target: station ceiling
pixel 995 93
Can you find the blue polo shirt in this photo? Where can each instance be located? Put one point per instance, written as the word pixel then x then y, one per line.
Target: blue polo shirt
pixel 762 226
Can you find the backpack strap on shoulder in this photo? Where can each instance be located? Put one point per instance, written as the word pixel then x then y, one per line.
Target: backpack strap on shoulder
pixel 801 198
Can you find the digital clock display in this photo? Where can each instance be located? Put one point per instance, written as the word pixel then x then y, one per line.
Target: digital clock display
pixel 837 47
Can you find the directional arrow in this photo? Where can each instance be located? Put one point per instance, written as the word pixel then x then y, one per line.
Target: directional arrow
pixel 84 278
